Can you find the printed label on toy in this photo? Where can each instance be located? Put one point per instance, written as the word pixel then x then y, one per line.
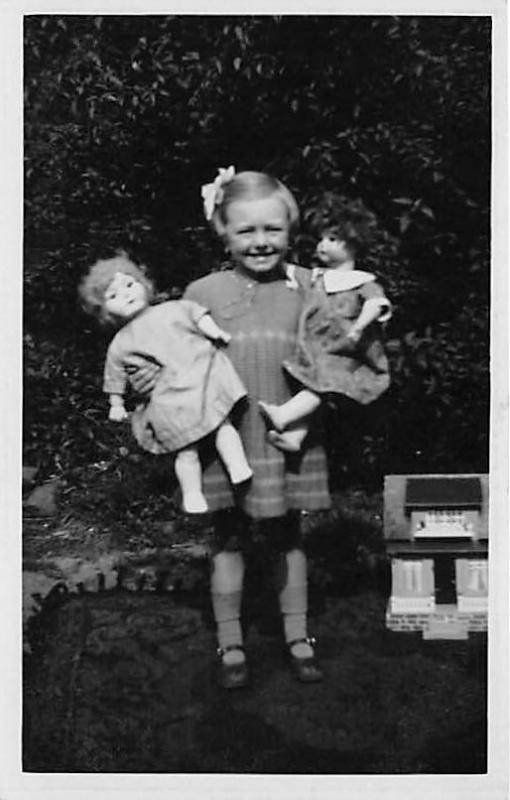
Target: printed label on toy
pixel 444 524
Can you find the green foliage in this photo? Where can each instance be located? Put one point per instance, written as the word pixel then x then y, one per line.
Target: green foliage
pixel 125 118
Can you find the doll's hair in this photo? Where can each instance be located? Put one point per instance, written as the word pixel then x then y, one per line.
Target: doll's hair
pixel 348 219
pixel 250 185
pixel 95 283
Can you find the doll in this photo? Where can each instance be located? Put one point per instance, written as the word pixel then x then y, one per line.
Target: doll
pixel 339 349
pixel 197 386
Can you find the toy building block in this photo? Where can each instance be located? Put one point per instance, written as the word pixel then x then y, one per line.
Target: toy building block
pixel 436 531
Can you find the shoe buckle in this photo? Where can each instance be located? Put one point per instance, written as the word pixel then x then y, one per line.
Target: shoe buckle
pixel 304 640
pixel 220 651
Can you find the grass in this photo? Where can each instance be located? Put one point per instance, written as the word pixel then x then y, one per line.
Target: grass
pixel 124 681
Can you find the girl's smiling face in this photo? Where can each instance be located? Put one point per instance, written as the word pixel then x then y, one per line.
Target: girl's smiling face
pixel 125 296
pixel 257 232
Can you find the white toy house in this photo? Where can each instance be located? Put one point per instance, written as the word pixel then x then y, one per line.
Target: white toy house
pixel 436 531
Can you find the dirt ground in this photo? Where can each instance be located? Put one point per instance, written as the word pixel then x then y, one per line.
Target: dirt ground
pixel 123 681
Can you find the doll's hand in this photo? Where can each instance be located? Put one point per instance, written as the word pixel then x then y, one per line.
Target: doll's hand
pixel 223 336
pixel 354 335
pixel 344 345
pixel 143 377
pixel 117 414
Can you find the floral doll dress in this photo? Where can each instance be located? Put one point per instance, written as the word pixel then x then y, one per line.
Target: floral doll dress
pixel 325 360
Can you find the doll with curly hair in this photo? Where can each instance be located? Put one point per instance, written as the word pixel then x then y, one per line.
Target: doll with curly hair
pixel 339 345
pixel 197 386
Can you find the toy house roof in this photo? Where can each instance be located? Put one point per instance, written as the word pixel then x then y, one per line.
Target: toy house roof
pixel 443 491
pixel 406 493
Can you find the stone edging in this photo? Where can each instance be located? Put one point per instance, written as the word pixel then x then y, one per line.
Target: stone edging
pixel 148 570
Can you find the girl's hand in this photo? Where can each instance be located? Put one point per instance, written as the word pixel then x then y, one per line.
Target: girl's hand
pixel 143 378
pixel 117 414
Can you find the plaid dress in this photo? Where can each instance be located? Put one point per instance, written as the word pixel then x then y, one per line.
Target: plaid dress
pixel 262 314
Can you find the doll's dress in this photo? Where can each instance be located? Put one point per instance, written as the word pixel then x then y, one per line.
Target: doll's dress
pixel 196 388
pixel 325 361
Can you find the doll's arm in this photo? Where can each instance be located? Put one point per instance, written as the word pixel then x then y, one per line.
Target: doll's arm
pixel 375 308
pixel 114 382
pixel 209 328
pixel 117 410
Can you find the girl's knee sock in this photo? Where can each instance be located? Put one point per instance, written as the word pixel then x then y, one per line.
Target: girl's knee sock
pixel 227 611
pixel 293 599
pixel 293 605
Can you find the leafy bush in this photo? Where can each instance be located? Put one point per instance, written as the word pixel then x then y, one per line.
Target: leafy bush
pixel 125 118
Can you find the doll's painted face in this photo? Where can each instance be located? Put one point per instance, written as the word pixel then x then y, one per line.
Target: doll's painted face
pixel 257 232
pixel 125 296
pixel 333 251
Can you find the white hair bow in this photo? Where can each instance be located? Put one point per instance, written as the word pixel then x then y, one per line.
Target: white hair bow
pixel 212 193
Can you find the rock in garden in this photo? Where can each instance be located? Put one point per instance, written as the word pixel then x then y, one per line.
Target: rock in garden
pixel 43 499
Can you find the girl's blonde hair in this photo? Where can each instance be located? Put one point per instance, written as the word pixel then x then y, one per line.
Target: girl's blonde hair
pixel 94 285
pixel 250 185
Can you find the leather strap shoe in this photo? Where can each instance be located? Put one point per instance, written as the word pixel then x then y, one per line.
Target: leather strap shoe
pixel 231 676
pixel 305 668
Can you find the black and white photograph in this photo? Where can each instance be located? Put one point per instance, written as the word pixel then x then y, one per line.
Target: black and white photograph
pixel 265 538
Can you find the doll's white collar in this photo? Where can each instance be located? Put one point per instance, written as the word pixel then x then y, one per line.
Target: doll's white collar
pixel 338 281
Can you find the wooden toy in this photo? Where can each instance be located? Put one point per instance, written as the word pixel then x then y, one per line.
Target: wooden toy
pixel 436 530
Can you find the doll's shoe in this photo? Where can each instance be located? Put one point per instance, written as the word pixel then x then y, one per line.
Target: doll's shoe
pixel 304 668
pixel 194 503
pixel 232 676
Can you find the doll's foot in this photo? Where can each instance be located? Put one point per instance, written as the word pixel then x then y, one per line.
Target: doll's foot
pixel 273 416
pixel 194 503
pixel 288 441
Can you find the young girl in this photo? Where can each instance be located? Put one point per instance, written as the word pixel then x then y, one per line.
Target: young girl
pixel 197 386
pixel 254 215
pixel 339 348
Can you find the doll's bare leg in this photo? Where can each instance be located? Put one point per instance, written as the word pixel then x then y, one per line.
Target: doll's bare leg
pixel 231 451
pixel 288 422
pixel 189 474
pixel 294 410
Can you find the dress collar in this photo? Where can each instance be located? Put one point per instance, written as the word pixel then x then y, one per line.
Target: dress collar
pixel 339 281
pixel 276 274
